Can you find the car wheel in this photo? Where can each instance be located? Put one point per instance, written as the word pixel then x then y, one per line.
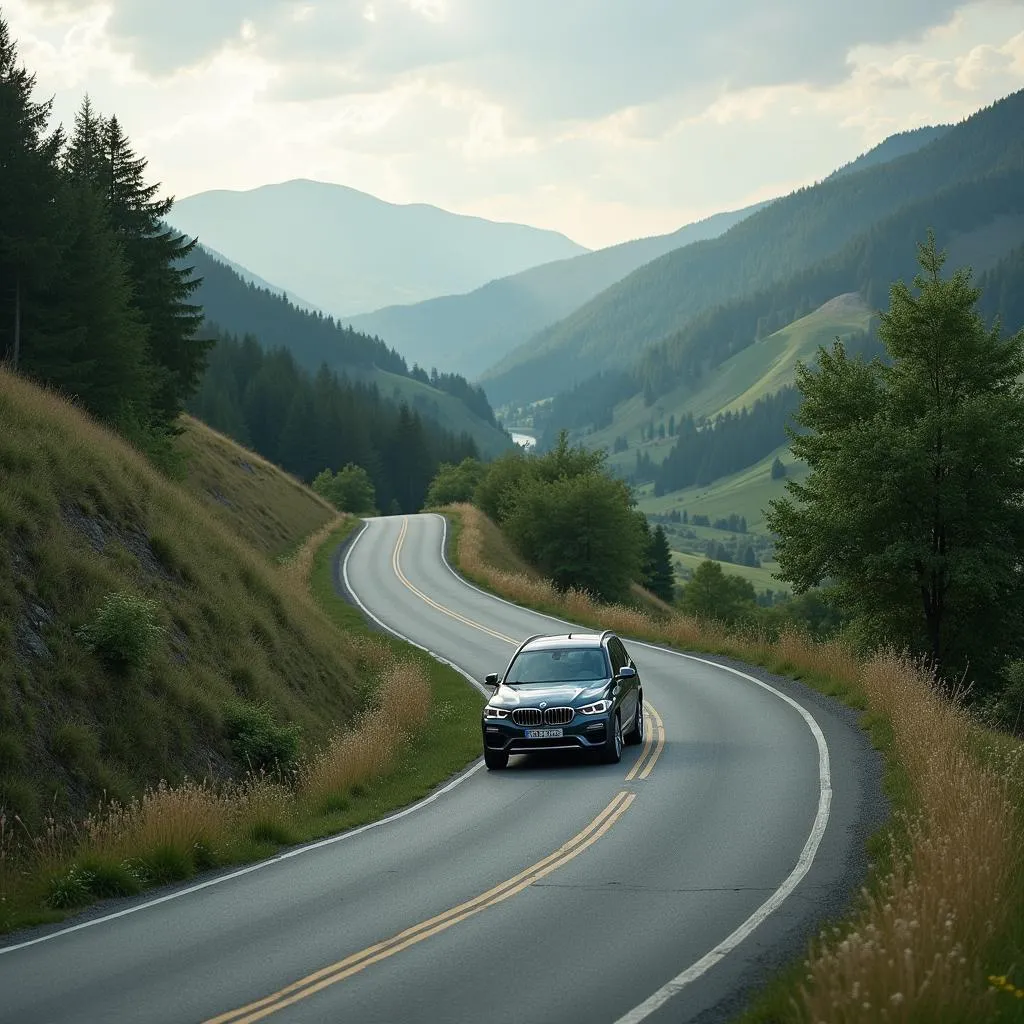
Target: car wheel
pixel 496 759
pixel 612 752
pixel 636 734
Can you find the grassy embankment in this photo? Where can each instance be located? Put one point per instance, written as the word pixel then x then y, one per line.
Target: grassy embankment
pixel 119 774
pixel 937 935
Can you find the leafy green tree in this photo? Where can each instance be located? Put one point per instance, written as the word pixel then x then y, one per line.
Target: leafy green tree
pixel 455 483
pixel 914 504
pixel 658 574
pixel 566 461
pixel 499 485
pixel 349 490
pixel 580 531
pixel 712 594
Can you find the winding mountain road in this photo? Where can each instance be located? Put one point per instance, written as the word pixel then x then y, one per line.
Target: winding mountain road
pixel 662 888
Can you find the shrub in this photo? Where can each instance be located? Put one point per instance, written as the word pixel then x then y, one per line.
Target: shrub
pixel 257 740
pixel 124 631
pixel 108 877
pixel 71 889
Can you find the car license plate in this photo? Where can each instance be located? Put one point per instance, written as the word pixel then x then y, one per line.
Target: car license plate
pixel 543 734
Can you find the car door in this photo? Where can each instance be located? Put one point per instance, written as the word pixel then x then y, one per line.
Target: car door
pixel 627 689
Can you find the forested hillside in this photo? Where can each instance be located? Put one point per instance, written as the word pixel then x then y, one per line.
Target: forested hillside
pixel 267 402
pixel 349 252
pixel 237 307
pixel 791 236
pixel 469 333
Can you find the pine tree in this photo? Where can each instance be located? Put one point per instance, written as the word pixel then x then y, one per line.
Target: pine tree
pixel 163 284
pixel 29 216
pixel 659 575
pixel 93 346
pixel 83 160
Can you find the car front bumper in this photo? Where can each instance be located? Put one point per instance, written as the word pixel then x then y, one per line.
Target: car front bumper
pixel 584 732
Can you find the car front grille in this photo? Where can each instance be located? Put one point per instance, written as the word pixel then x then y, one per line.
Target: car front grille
pixel 559 716
pixel 528 716
pixel 551 716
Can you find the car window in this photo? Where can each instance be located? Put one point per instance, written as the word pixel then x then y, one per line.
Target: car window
pixel 626 659
pixel 561 665
pixel 617 655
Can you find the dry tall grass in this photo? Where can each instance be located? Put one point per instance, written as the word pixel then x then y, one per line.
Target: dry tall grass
pixel 916 952
pixel 352 758
pixel 916 949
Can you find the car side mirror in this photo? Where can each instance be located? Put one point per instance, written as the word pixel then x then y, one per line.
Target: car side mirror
pixel 491 679
pixel 626 672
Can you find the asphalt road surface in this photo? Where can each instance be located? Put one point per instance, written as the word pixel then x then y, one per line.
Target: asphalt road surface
pixel 663 888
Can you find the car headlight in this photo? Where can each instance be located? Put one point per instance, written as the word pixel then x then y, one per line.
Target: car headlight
pixel 599 707
pixel 493 712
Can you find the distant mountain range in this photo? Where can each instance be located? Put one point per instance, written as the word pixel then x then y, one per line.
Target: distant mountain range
pixel 791 236
pixel 469 333
pixel 347 252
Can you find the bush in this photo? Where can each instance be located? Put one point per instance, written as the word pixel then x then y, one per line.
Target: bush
pixel 71 889
pixel 257 741
pixel 124 631
pixel 349 490
pixel 454 484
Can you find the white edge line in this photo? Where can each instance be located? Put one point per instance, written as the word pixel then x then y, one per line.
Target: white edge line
pixel 299 850
pixel 804 861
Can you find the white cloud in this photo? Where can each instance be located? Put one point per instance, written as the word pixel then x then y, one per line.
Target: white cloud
pixel 605 120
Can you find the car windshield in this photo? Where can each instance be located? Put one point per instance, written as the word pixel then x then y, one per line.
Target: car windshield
pixel 560 665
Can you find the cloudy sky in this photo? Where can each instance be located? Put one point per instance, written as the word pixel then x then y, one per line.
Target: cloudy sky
pixel 605 119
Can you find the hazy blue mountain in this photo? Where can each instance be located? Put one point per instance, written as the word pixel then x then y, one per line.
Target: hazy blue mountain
pixel 469 333
pixel 347 252
pixel 791 235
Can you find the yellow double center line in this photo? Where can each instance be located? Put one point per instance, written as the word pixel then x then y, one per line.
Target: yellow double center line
pixel 654 744
pixel 429 600
pixel 331 975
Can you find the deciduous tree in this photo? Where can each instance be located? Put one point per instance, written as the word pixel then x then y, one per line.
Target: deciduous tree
pixel 914 504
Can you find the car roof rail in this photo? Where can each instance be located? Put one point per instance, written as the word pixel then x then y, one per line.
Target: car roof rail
pixel 606 633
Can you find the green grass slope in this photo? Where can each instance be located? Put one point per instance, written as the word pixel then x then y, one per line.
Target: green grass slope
pixel 260 503
pixel 756 371
pixel 746 493
pixel 83 516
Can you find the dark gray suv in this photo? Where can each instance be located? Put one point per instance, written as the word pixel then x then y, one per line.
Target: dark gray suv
pixel 577 691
